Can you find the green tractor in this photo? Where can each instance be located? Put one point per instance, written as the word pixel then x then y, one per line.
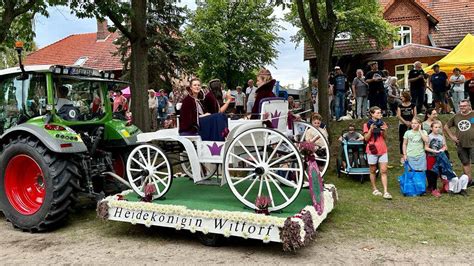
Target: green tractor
pixel 59 139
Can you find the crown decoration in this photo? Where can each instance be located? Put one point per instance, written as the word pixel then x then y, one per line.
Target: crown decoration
pixel 215 149
pixel 275 119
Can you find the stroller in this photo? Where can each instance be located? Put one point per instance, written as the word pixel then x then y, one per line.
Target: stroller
pixel 352 159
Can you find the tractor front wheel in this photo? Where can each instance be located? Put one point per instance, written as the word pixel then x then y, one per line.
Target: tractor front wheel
pixel 36 185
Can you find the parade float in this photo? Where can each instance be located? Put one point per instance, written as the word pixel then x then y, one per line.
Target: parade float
pixel 262 180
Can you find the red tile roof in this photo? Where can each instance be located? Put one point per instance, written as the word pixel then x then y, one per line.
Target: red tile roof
pixel 456 19
pixel 68 50
pixel 411 50
pixel 428 11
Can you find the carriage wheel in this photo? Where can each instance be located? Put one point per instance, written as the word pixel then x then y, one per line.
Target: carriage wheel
pixel 300 131
pixel 263 162
pixel 207 169
pixel 148 165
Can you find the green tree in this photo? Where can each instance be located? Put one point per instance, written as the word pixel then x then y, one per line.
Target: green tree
pixel 230 39
pixel 16 20
pixel 165 43
pixel 320 22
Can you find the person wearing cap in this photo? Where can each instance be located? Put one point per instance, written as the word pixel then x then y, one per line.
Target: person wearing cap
pixel 376 78
pixel 162 104
pixel 152 107
pixel 416 78
pixel 265 83
pixel 339 83
pixel 439 84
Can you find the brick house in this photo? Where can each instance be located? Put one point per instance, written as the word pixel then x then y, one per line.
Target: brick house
pixel 94 50
pixel 428 30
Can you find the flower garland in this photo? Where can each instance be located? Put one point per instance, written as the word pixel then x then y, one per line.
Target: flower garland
pixel 295 231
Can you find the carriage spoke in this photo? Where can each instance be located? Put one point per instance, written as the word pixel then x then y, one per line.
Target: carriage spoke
pixel 241 169
pixel 260 186
pixel 269 191
pixel 242 159
pixel 274 151
pixel 160 165
pixel 155 177
pixel 265 143
pixel 135 170
pixel 148 155
pixel 142 157
pixel 283 180
pixel 321 159
pixel 303 136
pixel 249 188
pixel 256 147
pixel 157 187
pixel 139 163
pixel 243 179
pixel 278 187
pixel 161 173
pixel 137 178
pixel 142 187
pixel 154 159
pixel 282 158
pixel 247 151
pixel 284 169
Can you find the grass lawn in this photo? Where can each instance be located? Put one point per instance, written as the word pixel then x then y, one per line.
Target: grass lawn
pixel 445 221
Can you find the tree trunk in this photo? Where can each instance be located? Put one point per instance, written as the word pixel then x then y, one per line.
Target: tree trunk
pixel 139 66
pixel 323 63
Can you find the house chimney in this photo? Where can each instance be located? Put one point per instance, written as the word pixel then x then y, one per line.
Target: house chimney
pixel 102 31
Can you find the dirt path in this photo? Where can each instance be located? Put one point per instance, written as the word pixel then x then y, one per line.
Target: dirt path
pixel 87 240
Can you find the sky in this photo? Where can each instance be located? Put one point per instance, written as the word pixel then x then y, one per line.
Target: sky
pixel 289 67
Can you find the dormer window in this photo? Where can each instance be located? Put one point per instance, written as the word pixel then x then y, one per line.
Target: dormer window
pixel 404 36
pixel 81 61
pixel 343 36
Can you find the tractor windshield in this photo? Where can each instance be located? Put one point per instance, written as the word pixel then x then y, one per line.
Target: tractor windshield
pixel 21 99
pixel 78 98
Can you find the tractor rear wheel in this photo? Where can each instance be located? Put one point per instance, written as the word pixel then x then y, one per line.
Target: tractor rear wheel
pixel 36 185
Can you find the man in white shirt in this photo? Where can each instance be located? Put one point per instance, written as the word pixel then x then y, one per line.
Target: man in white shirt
pixel 239 101
pixel 250 93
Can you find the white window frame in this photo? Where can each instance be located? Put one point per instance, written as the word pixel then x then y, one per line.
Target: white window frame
pixel 341 36
pixel 401 72
pixel 402 31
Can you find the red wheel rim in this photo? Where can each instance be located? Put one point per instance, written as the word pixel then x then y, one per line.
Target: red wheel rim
pixel 119 165
pixel 24 184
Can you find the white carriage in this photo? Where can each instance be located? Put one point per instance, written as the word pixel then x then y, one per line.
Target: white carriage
pixel 255 159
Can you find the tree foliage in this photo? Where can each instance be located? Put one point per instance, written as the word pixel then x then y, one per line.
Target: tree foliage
pixel 230 39
pixel 363 19
pixel 165 42
pixel 320 22
pixel 16 20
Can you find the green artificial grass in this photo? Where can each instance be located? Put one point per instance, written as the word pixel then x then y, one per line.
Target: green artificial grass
pixel 445 221
pixel 209 197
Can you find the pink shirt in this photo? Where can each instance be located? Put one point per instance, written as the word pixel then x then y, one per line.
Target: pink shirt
pixel 119 100
pixel 379 143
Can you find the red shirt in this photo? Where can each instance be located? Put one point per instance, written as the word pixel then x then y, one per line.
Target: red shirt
pixel 379 143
